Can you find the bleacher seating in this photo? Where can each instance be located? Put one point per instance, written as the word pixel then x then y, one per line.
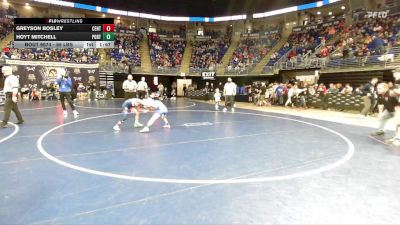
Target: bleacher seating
pixel 126 50
pixel 250 51
pixel 368 37
pixel 305 40
pixel 207 54
pixel 166 53
pixel 57 55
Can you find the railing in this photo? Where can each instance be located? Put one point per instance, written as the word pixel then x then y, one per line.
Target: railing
pixel 387 60
pixel 118 68
pixel 277 65
pixel 166 70
pixel 197 71
pixel 245 70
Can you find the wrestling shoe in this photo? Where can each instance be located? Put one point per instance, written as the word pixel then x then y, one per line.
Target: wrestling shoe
pixel 396 142
pixel 116 127
pixel 233 110
pixel 167 126
pixel 136 125
pixel 390 140
pixel 20 122
pixel 224 110
pixel 216 107
pixel 75 114
pixel 144 130
pixel 65 114
pixel 378 133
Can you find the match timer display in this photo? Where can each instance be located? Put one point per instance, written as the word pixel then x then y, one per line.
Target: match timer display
pixel 64 33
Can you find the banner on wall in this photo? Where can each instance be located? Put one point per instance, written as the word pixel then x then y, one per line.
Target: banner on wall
pixel 380 14
pixel 271 32
pixel 170 36
pixel 54 64
pixel 42 75
pixel 297 29
pixel 253 35
pixel 309 79
pixel 315 26
pixel 125 31
pixel 203 38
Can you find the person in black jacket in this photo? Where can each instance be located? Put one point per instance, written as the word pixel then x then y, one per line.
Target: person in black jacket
pixel 386 105
pixel 369 93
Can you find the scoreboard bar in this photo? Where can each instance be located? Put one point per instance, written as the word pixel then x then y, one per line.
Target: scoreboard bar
pixel 63 44
pixel 64 32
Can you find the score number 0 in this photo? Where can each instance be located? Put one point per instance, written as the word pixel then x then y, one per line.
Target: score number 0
pixel 108 27
pixel 108 32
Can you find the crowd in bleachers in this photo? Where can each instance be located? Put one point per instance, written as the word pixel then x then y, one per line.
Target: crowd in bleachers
pixel 295 94
pixel 305 41
pixel 166 53
pixel 77 55
pixel 6 26
pixel 250 51
pixel 372 36
pixel 126 50
pixel 6 21
pixel 207 54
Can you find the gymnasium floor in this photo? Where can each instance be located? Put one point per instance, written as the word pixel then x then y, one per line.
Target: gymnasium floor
pixel 211 167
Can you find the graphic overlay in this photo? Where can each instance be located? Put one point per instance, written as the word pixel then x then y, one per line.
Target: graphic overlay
pixel 64 33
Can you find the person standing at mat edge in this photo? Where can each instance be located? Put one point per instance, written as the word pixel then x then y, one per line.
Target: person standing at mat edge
pixel 386 105
pixel 142 88
pixel 229 93
pixel 130 87
pixel 64 88
pixel 11 85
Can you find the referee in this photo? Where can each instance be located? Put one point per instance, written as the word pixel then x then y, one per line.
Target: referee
pixel 11 85
pixel 130 87
pixel 142 88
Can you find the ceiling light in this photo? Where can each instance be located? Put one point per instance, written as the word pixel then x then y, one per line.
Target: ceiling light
pixel 318 13
pixel 343 7
pixel 118 18
pixel 330 13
